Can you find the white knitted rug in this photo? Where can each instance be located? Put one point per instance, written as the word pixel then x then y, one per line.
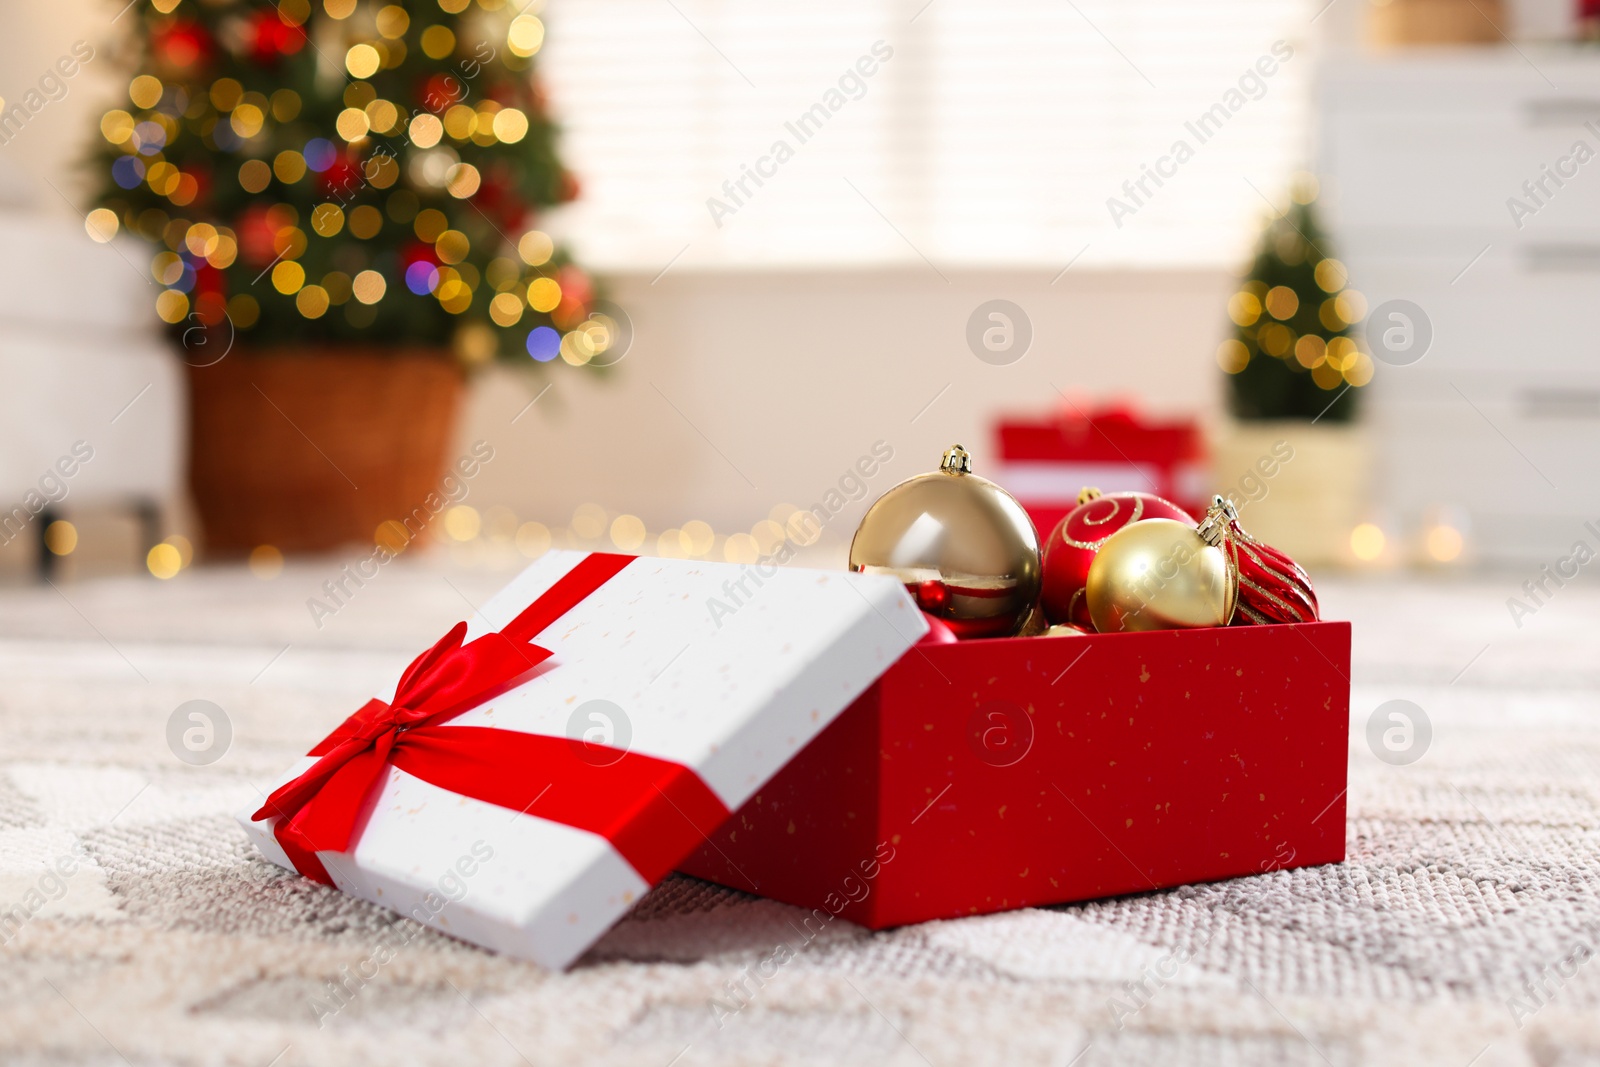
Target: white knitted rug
pixel 1460 931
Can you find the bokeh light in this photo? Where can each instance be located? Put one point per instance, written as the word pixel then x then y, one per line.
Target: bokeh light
pixel 422 277
pixel 533 539
pixel 698 537
pixel 1367 542
pixel 589 521
pixel 163 561
pixel 266 562
pixel 510 125
pixel 1282 302
pixel 543 294
pixel 1444 543
pixel 61 537
pixel 362 61
pixel 803 528
pixel 535 248
pixel 426 130
pixel 670 544
pixel 1331 275
pixel 525 35
pixel 627 532
pixel 544 344
pixel 769 536
pixel 505 309
pixel 145 91
pixel 365 222
pixel 1244 308
pixel 320 153
pixel 101 224
pixel 463 180
pixel 462 522
pixel 740 548
pixel 312 301
pixel 437 42
pixel 1232 356
pixel 369 287
pixel 393 21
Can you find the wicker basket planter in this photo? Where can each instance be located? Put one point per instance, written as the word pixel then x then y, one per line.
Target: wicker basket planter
pixel 1404 23
pixel 313 448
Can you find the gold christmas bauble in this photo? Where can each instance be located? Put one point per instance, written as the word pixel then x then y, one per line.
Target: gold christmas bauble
pixel 963 546
pixel 1159 574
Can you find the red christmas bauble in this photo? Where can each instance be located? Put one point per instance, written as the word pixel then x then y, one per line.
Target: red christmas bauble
pixel 1072 545
pixel 939 633
pixel 1272 587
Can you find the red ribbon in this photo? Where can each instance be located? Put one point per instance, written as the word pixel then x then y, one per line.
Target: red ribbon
pixel 652 811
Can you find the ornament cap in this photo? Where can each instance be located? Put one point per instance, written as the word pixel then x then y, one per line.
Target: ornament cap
pixel 1088 493
pixel 956 461
pixel 1213 528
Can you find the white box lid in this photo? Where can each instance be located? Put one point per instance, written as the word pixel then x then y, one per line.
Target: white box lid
pixel 726 670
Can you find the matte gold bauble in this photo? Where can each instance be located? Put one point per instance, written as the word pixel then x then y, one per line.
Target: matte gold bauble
pixel 963 546
pixel 1159 574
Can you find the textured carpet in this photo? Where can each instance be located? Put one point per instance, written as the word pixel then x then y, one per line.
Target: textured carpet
pixel 138 928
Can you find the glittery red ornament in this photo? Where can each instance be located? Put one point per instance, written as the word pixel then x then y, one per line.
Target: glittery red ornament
pixel 1272 587
pixel 1072 545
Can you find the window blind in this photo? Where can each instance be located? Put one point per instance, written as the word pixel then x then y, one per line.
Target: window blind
pixel 722 133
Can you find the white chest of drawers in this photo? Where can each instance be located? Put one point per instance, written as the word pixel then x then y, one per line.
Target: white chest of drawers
pixel 1421 157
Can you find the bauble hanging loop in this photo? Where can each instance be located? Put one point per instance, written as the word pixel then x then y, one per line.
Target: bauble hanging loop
pixel 957 460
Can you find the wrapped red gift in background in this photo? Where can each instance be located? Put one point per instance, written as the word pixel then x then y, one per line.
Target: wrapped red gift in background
pixel 1046 460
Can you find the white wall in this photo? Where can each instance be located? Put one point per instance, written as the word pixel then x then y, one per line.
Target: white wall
pixel 33 37
pixel 791 377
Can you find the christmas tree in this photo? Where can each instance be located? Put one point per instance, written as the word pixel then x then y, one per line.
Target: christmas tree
pixel 1291 355
pixel 347 170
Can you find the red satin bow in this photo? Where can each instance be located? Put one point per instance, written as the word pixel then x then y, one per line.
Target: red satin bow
pixel 324 808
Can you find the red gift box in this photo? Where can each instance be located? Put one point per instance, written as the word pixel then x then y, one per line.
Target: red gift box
pixel 1044 462
pixel 987 775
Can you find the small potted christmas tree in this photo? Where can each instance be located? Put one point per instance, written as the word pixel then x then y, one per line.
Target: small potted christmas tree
pixel 1293 454
pixel 340 201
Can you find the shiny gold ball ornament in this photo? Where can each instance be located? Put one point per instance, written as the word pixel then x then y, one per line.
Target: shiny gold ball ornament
pixel 963 546
pixel 1159 574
